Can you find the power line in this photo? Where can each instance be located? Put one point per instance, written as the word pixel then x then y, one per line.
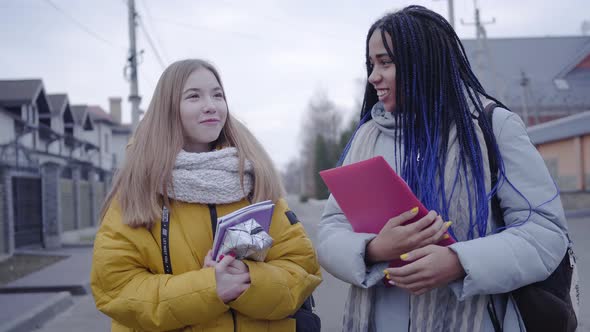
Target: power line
pixel 159 42
pixel 82 26
pixel 255 37
pixel 151 42
pixel 285 22
pixel 203 28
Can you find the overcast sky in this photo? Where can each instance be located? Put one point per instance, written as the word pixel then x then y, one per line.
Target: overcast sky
pixel 273 55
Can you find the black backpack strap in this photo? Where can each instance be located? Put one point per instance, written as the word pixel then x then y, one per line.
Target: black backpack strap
pixel 488 113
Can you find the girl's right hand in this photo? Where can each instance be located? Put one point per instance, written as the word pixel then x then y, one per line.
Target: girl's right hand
pixel 235 267
pixel 396 239
pixel 230 286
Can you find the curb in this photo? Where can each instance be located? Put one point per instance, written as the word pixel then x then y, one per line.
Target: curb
pixel 79 289
pixel 579 213
pixel 39 314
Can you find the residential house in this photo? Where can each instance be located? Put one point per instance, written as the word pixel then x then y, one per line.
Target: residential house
pixel 26 102
pixel 84 145
pixel 62 121
pixel 546 80
pixel 540 78
pixel 564 144
pixel 56 164
pixel 121 133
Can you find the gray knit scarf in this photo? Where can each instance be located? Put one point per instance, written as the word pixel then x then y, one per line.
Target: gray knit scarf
pixel 437 310
pixel 210 177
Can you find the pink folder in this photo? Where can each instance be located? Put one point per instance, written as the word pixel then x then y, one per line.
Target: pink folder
pixel 370 193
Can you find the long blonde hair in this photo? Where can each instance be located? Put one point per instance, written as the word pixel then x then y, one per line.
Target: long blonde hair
pixel 150 156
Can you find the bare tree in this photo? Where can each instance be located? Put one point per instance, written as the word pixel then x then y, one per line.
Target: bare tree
pixel 321 119
pixel 292 177
pixel 323 137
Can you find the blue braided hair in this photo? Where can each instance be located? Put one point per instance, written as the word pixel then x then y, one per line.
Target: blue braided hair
pixel 434 89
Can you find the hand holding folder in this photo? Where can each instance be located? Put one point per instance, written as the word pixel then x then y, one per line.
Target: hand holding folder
pixel 370 193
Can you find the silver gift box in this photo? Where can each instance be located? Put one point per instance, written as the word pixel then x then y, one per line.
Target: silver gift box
pixel 247 240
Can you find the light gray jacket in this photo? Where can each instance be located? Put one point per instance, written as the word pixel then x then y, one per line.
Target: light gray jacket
pixel 495 264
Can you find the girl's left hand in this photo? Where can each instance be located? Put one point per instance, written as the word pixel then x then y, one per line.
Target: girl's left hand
pixel 432 266
pixel 235 267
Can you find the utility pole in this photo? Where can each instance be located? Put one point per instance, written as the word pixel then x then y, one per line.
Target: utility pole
pixel 524 83
pixel 134 97
pixel 451 13
pixel 483 51
pixel 480 31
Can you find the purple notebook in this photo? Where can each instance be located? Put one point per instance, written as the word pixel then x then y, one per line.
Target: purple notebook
pixel 261 212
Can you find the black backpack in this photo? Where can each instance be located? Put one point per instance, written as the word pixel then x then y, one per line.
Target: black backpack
pixel 545 305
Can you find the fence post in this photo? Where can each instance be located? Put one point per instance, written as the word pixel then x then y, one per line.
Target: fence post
pixel 6 236
pixel 76 193
pixel 51 204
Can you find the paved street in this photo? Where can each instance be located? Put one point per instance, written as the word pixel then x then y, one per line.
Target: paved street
pixel 82 316
pixel 331 294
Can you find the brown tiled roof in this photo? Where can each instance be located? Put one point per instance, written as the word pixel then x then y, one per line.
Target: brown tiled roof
pixel 96 113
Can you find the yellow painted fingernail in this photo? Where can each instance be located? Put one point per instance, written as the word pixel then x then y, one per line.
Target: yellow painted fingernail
pixel 404 256
pixel 448 223
pixel 446 236
pixel 414 210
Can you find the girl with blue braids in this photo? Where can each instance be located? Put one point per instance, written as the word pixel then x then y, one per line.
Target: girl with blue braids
pixel 424 112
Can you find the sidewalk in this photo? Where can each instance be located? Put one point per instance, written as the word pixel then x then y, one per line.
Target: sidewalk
pixel 31 301
pixel 71 274
pixel 25 312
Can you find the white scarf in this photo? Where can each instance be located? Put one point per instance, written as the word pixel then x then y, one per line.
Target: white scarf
pixel 358 311
pixel 210 177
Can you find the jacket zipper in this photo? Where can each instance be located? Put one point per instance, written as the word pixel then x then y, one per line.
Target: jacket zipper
pixel 213 214
pixel 233 317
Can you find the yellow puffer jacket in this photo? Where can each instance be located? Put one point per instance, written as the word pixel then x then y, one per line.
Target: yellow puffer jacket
pixel 129 284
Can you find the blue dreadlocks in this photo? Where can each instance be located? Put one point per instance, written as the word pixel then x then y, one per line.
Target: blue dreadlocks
pixel 435 87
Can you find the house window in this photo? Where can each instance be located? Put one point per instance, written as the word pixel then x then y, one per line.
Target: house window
pixel 84 174
pixel 66 173
pixel 19 127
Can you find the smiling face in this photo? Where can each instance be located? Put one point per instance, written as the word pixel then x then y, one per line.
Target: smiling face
pixel 383 71
pixel 203 110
